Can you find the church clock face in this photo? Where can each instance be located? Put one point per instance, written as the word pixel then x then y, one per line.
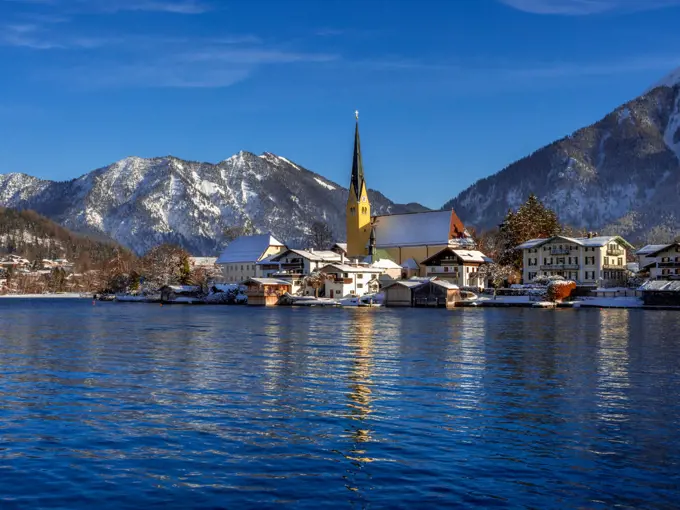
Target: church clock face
pixel 363 199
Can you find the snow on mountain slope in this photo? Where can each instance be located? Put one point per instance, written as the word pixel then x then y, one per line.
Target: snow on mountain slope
pixel 619 175
pixel 143 202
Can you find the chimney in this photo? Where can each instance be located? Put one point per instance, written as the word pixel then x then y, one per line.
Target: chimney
pixel 342 257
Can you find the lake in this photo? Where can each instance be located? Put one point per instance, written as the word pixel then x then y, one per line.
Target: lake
pixel 142 406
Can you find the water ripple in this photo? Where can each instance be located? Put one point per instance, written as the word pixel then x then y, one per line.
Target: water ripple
pixel 231 407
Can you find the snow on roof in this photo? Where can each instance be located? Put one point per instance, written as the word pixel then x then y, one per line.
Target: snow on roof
pixel 203 261
pixel 385 264
pixel 661 285
pixel 316 255
pixel 446 284
pixel 661 248
pixel 651 248
pixel 247 249
pixel 413 229
pixel 345 268
pixel 410 264
pixel 581 241
pixel 405 283
pixel 472 256
pixel 342 246
pixel 184 288
pixel 267 281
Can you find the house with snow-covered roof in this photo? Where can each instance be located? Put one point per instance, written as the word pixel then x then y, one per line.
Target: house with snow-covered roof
pixel 344 280
pixel 456 266
pixel 661 260
pixel 239 259
pixel 592 261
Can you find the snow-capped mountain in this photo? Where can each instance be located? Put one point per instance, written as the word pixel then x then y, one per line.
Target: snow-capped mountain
pixel 620 175
pixel 144 202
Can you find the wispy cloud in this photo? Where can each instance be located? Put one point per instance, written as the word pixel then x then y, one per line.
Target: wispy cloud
pixel 168 6
pixel 586 7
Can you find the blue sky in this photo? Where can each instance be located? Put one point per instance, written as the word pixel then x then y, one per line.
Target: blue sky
pixel 447 90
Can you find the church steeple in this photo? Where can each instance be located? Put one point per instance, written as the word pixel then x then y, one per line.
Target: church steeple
pixel 357 165
pixel 358 206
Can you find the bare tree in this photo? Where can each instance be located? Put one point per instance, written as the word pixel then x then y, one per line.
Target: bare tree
pixel 315 280
pixel 320 236
pixel 496 274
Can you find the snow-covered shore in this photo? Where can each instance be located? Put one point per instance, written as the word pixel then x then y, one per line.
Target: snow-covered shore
pixel 64 295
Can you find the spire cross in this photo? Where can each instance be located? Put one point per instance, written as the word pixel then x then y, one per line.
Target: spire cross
pixel 356 114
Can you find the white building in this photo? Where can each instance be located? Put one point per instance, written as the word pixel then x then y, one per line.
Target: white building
pixel 455 266
pixel 344 280
pixel 239 260
pixel 592 261
pixel 293 265
pixel 662 261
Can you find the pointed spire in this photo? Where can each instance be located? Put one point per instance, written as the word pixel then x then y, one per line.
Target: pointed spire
pixel 357 165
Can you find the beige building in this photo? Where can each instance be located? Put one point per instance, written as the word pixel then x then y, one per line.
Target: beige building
pixel 417 236
pixel 662 261
pixel 593 261
pixel 239 260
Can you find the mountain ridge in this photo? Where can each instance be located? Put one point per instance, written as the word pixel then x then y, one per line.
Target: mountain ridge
pixel 142 202
pixel 619 175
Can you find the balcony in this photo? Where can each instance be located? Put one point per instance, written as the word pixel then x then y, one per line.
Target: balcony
pixel 613 266
pixel 614 252
pixel 339 280
pixel 560 267
pixel 442 270
pixel 560 251
pixel 669 264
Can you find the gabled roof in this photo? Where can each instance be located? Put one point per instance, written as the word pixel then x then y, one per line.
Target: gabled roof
pixel 410 264
pixel 581 241
pixel 345 268
pixel 266 281
pixel 414 283
pixel 316 255
pixel 341 246
pixel 472 256
pixel 247 249
pixel 417 229
pixel 660 249
pixel 385 264
pixel 651 248
pixel 661 286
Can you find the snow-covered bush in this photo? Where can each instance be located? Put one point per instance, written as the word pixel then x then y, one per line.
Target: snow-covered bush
pixel 559 290
pixel 547 280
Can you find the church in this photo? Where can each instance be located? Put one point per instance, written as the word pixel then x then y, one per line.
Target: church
pixel 403 238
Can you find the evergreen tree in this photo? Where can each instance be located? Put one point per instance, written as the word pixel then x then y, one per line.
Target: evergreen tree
pixel 532 220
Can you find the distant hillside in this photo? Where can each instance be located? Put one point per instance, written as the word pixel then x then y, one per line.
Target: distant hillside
pixel 142 203
pixel 620 175
pixel 36 237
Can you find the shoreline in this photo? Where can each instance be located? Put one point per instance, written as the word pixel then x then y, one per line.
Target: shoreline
pixel 65 295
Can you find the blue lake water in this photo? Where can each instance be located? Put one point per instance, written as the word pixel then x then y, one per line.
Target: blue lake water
pixel 142 406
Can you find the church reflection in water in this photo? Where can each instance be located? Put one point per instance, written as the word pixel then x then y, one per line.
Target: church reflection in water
pixel 360 398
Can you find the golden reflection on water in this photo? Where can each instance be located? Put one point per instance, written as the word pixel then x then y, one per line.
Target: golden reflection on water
pixel 360 397
pixel 613 365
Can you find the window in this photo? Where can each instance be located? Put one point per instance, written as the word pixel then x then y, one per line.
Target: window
pixel 446 269
pixel 575 260
pixel 359 276
pixel 345 275
pixel 241 267
pixel 353 211
pixel 620 261
pixel 360 285
pixel 606 261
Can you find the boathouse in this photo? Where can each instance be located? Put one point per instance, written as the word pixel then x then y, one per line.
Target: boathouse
pixel 421 292
pixel 265 291
pixel 180 294
pixel 661 293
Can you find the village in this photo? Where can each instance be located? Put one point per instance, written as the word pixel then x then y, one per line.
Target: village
pixel 422 259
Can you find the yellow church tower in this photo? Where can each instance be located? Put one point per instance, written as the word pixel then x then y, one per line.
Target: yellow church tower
pixel 358 207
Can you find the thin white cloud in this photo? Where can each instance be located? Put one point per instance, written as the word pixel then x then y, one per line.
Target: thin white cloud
pixel 168 6
pixel 586 7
